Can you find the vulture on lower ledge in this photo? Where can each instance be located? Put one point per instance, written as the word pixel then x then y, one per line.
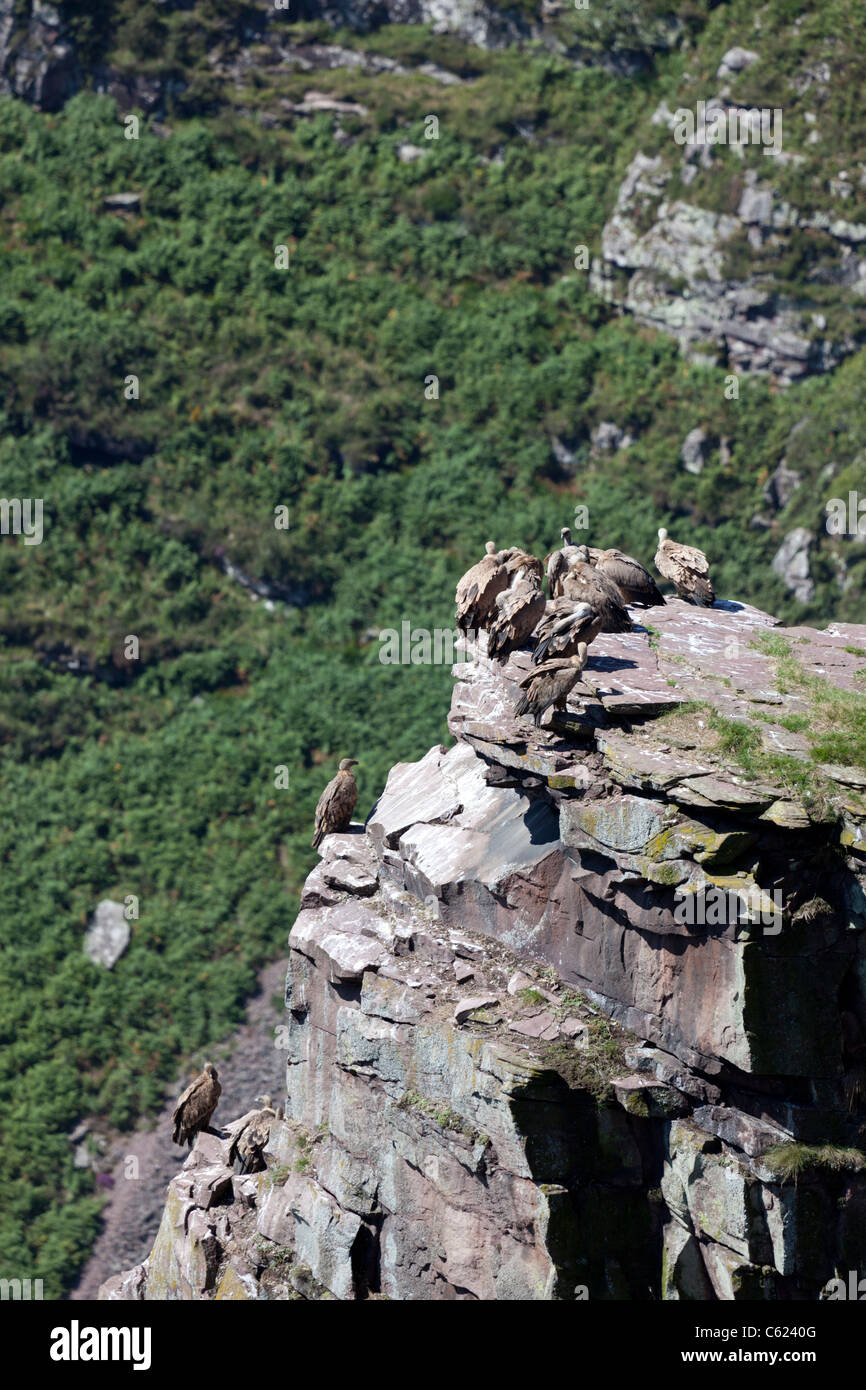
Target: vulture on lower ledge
pixel 551 683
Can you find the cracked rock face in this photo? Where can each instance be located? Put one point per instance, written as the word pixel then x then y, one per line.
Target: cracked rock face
pixel 664 260
pixel 514 1069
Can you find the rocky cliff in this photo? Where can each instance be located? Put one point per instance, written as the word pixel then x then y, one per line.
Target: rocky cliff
pixel 581 1011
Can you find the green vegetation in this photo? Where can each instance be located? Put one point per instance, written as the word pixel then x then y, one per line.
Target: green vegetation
pixel 834 727
pixel 791 1161
pixel 441 1114
pixel 836 718
pixel 530 996
pixel 591 1064
pixel 305 388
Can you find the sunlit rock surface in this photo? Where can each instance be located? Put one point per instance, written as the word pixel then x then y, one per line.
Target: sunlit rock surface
pixel 515 1068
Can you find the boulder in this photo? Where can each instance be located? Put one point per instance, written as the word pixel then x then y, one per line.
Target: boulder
pixel 108 935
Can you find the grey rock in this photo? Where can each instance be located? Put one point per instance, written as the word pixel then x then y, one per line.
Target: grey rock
pixel 344 940
pixel 781 486
pixel 538 1025
pixel 695 450
pixel 756 206
pixel 125 201
pixel 608 437
pixel 791 562
pixel 465 1008
pixel 426 1159
pixel 735 60
pixel 108 934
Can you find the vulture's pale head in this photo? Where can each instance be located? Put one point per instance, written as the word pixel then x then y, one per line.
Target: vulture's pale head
pixel 663 535
pixel 566 534
pixel 490 548
pixel 347 763
pixel 211 1070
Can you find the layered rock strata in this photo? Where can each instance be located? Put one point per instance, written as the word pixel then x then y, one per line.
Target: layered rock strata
pixel 519 1063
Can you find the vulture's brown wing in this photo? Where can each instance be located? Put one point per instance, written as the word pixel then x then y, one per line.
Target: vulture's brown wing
pixel 519 611
pixel 560 631
pixel 510 603
pixel 235 1131
pixel 477 591
pixel 253 1140
pixel 197 1104
pixel 336 804
pixel 692 558
pixel 630 577
pixel 184 1100
pixel 475 579
pixel 664 563
pixel 515 559
pixel 592 586
pixel 324 807
pixel 687 568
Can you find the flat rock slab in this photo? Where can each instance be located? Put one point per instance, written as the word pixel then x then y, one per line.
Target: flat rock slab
pixel 675 653
pixel 424 791
pixel 346 939
pixel 465 1008
pixel 540 1025
pixel 348 877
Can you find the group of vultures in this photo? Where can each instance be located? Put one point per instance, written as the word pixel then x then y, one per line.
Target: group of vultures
pixel 588 591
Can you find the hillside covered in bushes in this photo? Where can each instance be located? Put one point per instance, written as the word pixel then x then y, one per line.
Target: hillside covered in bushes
pixel 422 366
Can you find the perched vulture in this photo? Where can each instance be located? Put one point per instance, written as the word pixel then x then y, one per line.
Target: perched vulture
pixel 519 609
pixel 337 802
pixel 196 1106
pixel 635 583
pixel 586 585
pixel 521 567
pixel 250 1140
pixel 565 627
pixel 688 570
pixel 556 563
pixel 477 590
pixel 550 684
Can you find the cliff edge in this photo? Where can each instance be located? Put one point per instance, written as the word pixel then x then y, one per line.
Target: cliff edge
pixel 580 1013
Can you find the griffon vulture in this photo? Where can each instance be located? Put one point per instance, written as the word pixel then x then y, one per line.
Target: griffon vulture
pixel 564 628
pixel 477 590
pixel 519 609
pixel 249 1142
pixel 587 585
pixel 634 582
pixel 687 569
pixel 196 1106
pixel 550 684
pixel 521 567
pixel 337 802
pixel 556 563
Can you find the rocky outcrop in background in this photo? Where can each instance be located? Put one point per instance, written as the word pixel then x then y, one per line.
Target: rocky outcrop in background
pixel 515 1068
pixel 40 61
pixel 664 259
